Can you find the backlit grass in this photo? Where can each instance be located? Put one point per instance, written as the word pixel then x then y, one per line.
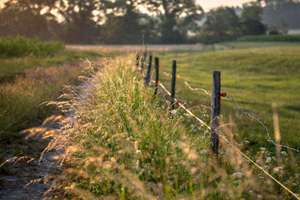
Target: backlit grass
pixel 126 145
pixel 27 82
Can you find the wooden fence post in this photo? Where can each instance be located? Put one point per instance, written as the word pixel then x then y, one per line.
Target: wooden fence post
pixel 137 61
pixel 143 61
pixel 156 66
pixel 173 85
pixel 148 72
pixel 215 110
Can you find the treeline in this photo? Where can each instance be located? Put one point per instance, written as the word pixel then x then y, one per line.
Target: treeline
pixel 129 21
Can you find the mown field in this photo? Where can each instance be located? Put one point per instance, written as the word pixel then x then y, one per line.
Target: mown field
pixel 253 78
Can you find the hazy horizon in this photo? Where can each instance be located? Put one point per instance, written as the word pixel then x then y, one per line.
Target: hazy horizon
pixel 210 4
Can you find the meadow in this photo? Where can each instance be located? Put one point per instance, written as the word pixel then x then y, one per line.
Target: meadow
pixel 126 146
pixel 253 78
pixel 31 73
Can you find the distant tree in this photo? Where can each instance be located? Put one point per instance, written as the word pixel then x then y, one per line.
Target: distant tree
pixel 123 22
pixel 176 17
pixel 251 19
pixel 282 16
pixel 222 22
pixel 30 18
pixel 80 21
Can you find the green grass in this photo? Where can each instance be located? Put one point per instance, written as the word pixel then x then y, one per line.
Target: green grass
pixel 255 78
pixel 21 46
pixel 29 81
pixel 12 67
pixel 271 38
pixel 127 146
pixel 248 45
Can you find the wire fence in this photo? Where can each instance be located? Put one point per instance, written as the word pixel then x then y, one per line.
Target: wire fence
pixel 140 64
pixel 249 114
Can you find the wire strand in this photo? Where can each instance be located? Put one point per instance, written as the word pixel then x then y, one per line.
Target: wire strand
pixel 245 156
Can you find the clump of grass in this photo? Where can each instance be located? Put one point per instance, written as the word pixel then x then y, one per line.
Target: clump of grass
pixel 20 101
pixel 127 146
pixel 21 46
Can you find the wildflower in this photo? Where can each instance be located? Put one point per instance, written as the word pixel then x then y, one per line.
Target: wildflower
pixel 262 149
pixel 269 160
pixel 173 112
pixel 237 175
pixel 283 153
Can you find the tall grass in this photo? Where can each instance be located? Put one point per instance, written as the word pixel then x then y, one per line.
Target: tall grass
pixel 21 100
pixel 20 46
pixel 126 146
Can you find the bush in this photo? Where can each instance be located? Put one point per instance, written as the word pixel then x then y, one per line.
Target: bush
pixel 271 38
pixel 20 46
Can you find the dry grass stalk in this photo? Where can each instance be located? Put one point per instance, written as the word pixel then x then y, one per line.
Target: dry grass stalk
pixel 277 134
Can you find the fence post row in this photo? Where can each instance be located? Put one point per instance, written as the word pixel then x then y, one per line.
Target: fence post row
pixel 148 72
pixel 215 110
pixel 173 85
pixel 137 62
pixel 156 66
pixel 144 59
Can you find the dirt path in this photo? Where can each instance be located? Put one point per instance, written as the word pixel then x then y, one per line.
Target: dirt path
pixel 31 177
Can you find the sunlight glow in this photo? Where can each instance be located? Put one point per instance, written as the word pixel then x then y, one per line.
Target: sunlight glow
pixel 209 4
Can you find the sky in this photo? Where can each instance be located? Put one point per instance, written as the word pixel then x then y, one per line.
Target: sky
pixel 209 4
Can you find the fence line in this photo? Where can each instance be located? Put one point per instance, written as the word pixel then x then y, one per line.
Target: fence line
pixel 203 123
pixel 245 156
pixel 247 114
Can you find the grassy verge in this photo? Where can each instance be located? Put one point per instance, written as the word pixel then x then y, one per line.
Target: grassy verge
pixel 126 146
pixel 27 82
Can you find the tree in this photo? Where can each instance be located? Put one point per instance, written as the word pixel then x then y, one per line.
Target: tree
pixel 123 22
pixel 282 16
pixel 222 22
pixel 251 19
pixel 80 22
pixel 28 18
pixel 176 17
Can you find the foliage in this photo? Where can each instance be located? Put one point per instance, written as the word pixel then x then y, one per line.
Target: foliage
pixel 24 18
pixel 20 46
pixel 177 17
pixel 282 15
pixel 251 20
pixel 223 24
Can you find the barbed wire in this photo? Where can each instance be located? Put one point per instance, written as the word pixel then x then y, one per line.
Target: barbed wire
pixel 245 156
pixel 250 115
pixel 254 117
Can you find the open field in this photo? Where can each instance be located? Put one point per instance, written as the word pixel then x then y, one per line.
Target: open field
pixel 254 78
pixel 120 141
